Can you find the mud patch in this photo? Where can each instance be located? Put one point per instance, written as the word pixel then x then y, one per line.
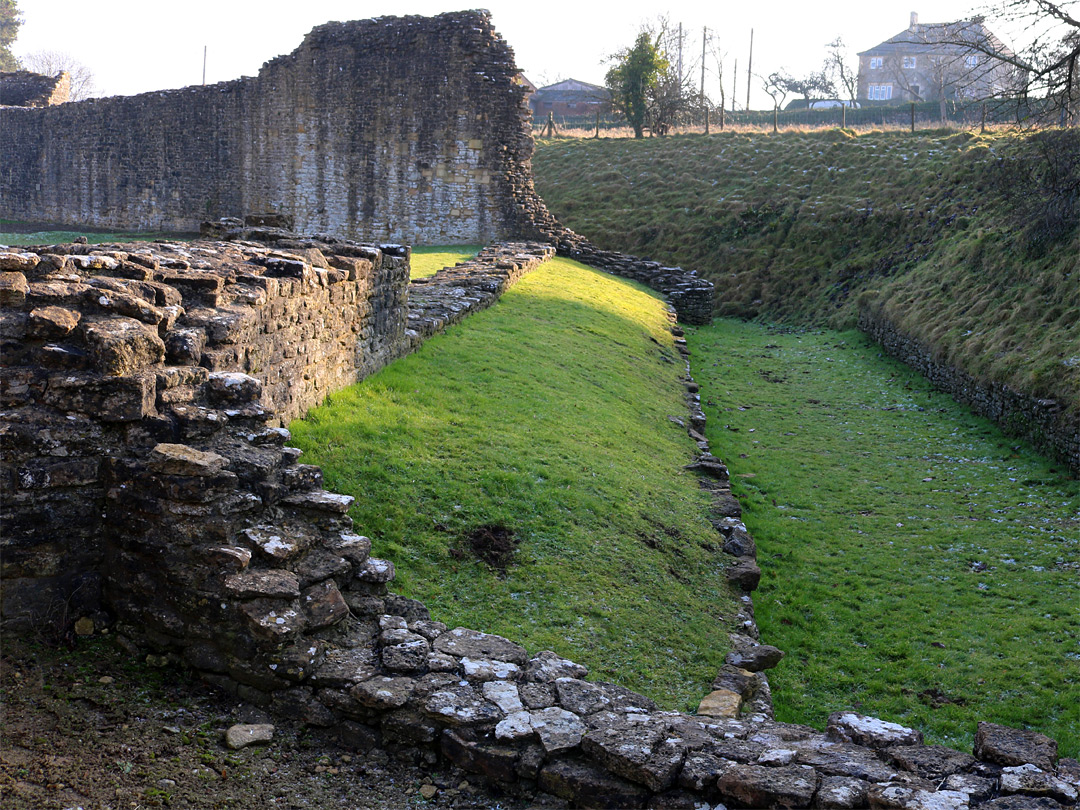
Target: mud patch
pixel 492 544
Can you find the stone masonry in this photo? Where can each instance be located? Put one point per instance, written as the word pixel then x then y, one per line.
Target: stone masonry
pixel 144 486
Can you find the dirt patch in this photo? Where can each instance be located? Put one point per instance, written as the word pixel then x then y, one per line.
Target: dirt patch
pixel 491 543
pixel 95 728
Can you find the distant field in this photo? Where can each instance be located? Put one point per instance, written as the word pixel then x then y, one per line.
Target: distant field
pixel 801 227
pixel 427 261
pixel 917 565
pixel 14 233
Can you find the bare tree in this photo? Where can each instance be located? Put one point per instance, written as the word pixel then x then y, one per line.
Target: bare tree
pixel 839 71
pixel 51 63
pixel 776 85
pixel 814 83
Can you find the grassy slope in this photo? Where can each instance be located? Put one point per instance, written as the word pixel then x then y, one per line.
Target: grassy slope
pixel 427 261
pixel 548 414
pixel 916 565
pixel 795 227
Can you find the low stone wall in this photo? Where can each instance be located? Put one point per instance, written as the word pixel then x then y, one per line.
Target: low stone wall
pixel 167 487
pixel 1044 422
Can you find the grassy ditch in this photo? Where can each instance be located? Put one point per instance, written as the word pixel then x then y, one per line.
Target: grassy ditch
pixel 427 261
pixel 804 227
pixel 523 474
pixel 918 565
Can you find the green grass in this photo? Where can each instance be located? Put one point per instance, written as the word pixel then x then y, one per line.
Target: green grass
pixel 800 227
pixel 13 233
pixel 429 260
pixel 906 545
pixel 547 414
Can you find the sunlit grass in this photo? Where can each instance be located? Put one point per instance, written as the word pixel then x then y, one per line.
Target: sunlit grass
pixel 429 260
pixel 547 414
pixel 918 565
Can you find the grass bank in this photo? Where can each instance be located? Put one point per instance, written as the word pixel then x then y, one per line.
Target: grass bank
pixel 427 261
pixel 918 565
pixel 802 227
pixel 537 434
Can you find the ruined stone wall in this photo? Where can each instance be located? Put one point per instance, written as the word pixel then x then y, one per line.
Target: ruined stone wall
pixel 407 129
pixel 22 88
pixel 1043 422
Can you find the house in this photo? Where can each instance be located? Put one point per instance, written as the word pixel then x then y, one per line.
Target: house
pixel 570 98
pixel 937 61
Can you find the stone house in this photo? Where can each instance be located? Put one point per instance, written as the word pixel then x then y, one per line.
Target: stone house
pixel 935 62
pixel 570 98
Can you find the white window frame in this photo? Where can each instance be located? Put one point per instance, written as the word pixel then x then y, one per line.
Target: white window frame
pixel 879 92
pixel 971 60
pixel 877 62
pixel 909 62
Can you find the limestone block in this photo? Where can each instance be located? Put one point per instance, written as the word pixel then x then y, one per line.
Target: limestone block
pixel 52 323
pixel 179 459
pixel 869 731
pixel 384 692
pixel 1031 780
pixel 323 605
pixel 546 667
pixel 589 786
pixel 13 288
pixel 461 706
pixel 119 346
pixel 1010 746
pixel 243 735
pixel 273 583
pixel 558 729
pixel 757 786
pixel 720 703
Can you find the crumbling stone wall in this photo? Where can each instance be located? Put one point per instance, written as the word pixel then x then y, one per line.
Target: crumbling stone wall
pixel 408 129
pixel 22 88
pixel 1048 425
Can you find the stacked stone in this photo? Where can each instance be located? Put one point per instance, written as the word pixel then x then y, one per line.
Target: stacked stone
pixel 1044 422
pixel 455 292
pixel 111 350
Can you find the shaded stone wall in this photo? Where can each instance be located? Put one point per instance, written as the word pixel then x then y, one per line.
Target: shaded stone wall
pixel 393 129
pixel 22 88
pixel 1043 422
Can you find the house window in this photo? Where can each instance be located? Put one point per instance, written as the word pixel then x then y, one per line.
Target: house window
pixel 909 62
pixel 876 62
pixel 972 60
pixel 879 92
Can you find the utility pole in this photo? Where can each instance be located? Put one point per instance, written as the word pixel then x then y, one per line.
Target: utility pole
pixel 704 36
pixel 204 47
pixel 750 69
pixel 734 84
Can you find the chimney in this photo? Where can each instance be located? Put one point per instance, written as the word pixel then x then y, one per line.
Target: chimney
pixel 914 19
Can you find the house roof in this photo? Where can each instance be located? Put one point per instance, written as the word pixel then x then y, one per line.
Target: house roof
pixel 572 90
pixel 960 37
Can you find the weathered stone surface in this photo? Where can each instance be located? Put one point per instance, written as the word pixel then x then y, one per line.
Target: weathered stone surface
pixel 52 323
pixel 493 760
pixel 841 793
pixel 323 605
pixel 345 667
pixel 408 727
pixel 547 667
pixel 585 697
pixel 756 786
pixel 409 654
pixel 461 706
pixel 743 573
pixel 179 459
pixel 589 786
pixel 384 693
pixel 640 751
pixel 720 703
pixel 1021 803
pixel 462 642
pixel 269 620
pixel 842 759
pixel 558 729
pixel 119 346
pixel 271 583
pixel 749 654
pixel 1031 780
pixel 231 388
pixel 978 788
pixel 483 669
pixel 901 797
pixel 930 761
pixel 869 731
pixel 537 695
pixel 1010 746
pixel 243 735
pixel 504 695
pixel 13 288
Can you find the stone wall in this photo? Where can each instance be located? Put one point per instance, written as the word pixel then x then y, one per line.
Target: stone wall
pixel 406 128
pixel 1044 422
pixel 147 484
pixel 22 88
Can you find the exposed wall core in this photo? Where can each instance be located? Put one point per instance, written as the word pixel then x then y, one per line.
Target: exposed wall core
pixel 406 129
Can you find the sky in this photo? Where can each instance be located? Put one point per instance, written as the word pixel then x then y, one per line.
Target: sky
pixel 136 46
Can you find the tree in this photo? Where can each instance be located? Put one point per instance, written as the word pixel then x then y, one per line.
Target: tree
pixel 814 83
pixel 776 85
pixel 633 79
pixel 10 20
pixel 839 72
pixel 51 63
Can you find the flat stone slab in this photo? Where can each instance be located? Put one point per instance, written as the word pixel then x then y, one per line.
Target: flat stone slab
pixel 1011 746
pixel 242 735
pixel 870 731
pixel 465 643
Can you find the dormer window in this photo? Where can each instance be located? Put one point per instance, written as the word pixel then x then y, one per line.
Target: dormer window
pixel 909 62
pixel 876 62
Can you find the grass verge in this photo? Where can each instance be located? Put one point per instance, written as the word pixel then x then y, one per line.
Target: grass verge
pixel 548 416
pixel 918 566
pixel 428 260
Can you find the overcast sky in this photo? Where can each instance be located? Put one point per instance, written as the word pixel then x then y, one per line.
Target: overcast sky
pixel 134 46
